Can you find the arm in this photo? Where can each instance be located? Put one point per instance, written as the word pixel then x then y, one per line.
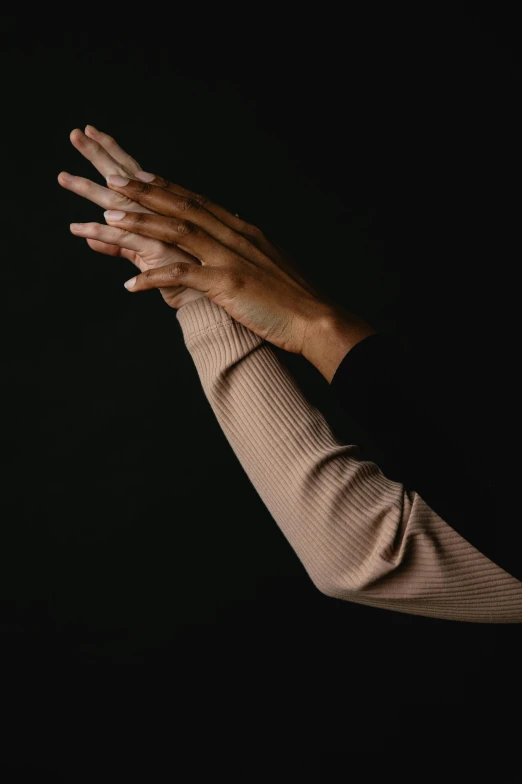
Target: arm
pixel 360 536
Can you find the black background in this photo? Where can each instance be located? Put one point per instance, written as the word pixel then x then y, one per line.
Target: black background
pixel 143 582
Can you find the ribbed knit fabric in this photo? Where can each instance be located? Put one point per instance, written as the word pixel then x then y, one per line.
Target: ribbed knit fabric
pixel 360 536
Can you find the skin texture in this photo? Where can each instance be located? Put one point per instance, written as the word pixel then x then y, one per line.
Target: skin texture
pixel 187 247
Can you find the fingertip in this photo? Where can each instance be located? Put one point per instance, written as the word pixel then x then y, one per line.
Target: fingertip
pixel 114 215
pixel 64 177
pixel 90 130
pixel 130 284
pixel 76 135
pixel 118 180
pixel 143 176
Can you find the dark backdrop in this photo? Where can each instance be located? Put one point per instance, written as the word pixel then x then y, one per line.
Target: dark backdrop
pixel 142 578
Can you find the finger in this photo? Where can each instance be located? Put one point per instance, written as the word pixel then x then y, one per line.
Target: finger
pixel 117 154
pixel 184 234
pixel 240 227
pixel 193 239
pixel 208 280
pixel 233 221
pixel 226 217
pixel 113 250
pixel 103 197
pixel 115 151
pixel 100 158
pixel 146 247
pixel 113 236
pixel 165 202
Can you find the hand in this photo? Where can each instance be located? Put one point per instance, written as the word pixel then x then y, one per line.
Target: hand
pixel 241 270
pixel 326 338
pixel 109 158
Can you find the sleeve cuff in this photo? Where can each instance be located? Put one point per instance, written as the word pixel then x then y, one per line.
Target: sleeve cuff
pixel 200 316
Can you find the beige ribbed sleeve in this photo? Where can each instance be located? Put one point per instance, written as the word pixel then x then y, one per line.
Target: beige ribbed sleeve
pixel 360 536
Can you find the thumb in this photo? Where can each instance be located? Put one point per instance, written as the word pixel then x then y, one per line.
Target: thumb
pixel 180 273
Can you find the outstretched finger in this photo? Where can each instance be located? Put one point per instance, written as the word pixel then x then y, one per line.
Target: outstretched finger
pixel 107 144
pixel 230 219
pixel 117 154
pixel 113 250
pixel 103 197
pixel 161 201
pixel 207 280
pixel 151 250
pixel 124 239
pixel 156 188
pixel 98 156
pixel 113 148
pixel 183 234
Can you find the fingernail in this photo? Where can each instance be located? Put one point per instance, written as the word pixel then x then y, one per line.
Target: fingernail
pixel 130 283
pixel 114 215
pixel 91 129
pixel 145 176
pixel 65 176
pixel 115 179
pixel 76 226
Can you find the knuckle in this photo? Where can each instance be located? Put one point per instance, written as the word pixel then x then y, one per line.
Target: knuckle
pixel 161 182
pixel 187 203
pixel 177 269
pixel 253 232
pixel 140 217
pixel 242 245
pixel 143 188
pixel 198 198
pixel 184 228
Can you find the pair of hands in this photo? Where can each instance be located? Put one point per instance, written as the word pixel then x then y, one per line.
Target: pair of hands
pixel 188 247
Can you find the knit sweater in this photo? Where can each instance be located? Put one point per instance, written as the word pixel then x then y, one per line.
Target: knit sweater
pixel 361 536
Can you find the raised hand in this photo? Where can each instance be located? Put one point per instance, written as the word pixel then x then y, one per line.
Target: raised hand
pixel 109 158
pixel 240 270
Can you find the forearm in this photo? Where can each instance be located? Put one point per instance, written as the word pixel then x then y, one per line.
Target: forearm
pixel 359 535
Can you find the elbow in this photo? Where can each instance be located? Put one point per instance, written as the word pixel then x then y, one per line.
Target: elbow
pixel 323 578
pixel 338 585
pixel 327 588
pixel 370 574
pixel 345 576
pixel 337 589
pixel 363 545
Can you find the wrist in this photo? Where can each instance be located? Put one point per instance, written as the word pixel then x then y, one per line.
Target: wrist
pixel 331 335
